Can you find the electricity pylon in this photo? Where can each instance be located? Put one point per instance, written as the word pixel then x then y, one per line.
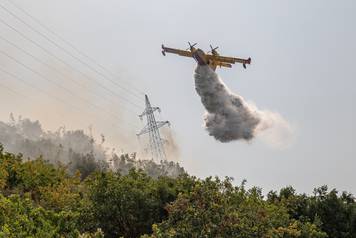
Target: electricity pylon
pixel 152 128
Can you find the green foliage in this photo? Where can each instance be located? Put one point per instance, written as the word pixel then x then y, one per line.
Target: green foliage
pixel 297 229
pixel 85 164
pixel 126 205
pixel 20 218
pixel 97 234
pixel 124 163
pixel 65 196
pixel 335 214
pixel 9 164
pixel 216 208
pixel 35 174
pixel 39 199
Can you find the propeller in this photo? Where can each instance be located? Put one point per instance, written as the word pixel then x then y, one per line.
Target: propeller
pixel 213 49
pixel 191 46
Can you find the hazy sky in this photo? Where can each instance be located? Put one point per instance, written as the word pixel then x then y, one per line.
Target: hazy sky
pixel 303 56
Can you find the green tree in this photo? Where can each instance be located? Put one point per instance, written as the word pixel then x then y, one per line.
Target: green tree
pixel 126 205
pixel 337 213
pixel 33 175
pixel 40 199
pixel 9 164
pixel 296 204
pixel 215 208
pixel 19 217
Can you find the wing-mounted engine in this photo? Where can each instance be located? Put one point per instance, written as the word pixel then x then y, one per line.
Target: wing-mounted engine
pixel 213 50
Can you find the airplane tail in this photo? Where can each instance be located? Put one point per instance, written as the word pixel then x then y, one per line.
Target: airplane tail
pixel 163 52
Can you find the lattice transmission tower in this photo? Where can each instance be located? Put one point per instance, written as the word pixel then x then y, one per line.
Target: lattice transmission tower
pixel 156 143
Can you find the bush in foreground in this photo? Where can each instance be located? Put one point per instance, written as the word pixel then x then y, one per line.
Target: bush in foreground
pixel 38 199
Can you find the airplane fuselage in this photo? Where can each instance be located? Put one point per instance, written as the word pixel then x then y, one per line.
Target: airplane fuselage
pixel 201 59
pixel 199 56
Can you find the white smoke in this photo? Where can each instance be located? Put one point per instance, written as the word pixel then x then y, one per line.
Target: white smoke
pixel 229 117
pixel 78 150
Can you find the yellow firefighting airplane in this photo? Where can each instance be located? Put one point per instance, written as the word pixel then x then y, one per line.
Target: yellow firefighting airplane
pixel 202 58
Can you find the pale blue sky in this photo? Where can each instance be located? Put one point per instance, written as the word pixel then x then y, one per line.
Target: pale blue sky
pixel 302 67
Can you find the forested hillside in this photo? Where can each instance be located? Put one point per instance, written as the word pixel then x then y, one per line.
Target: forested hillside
pixel 75 149
pixel 40 199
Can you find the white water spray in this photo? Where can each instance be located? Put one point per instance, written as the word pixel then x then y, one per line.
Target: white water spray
pixel 229 117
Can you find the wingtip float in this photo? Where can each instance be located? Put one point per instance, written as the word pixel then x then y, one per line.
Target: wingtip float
pixel 211 58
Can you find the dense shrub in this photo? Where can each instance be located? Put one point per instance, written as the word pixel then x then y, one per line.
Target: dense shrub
pixel 39 199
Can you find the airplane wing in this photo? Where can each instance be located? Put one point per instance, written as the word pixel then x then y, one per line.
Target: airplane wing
pixel 229 60
pixel 176 51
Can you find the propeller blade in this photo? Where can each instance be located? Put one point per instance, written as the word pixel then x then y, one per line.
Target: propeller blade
pixel 191 46
pixel 213 49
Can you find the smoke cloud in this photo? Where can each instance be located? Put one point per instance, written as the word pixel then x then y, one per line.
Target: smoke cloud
pixel 171 145
pixel 28 138
pixel 229 117
pixel 76 149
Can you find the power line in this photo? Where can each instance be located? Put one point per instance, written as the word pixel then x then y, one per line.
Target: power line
pixel 52 68
pixel 66 51
pixel 68 43
pixel 65 63
pixel 58 85
pixel 38 89
pixel 14 92
pixel 78 109
pixel 25 96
